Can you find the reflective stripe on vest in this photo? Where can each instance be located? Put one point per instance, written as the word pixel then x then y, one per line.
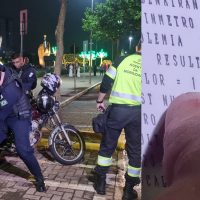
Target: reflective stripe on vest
pixel 133 171
pixel 103 161
pixel 126 96
pixel 111 72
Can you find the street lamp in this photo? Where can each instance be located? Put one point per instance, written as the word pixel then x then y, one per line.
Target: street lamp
pixel 130 40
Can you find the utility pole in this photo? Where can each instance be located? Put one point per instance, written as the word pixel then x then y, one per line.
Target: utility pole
pixel 23 27
pixel 74 68
pixel 92 7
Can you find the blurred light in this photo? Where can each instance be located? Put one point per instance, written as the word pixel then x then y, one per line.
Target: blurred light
pixel 1 38
pixel 130 40
pixel 119 21
pixel 54 50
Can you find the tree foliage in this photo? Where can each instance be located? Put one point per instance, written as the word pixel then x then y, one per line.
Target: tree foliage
pixel 112 19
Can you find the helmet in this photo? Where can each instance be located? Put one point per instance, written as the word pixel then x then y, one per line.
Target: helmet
pixel 45 102
pixel 51 82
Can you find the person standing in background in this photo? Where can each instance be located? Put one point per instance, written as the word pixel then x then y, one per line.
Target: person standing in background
pixel 25 71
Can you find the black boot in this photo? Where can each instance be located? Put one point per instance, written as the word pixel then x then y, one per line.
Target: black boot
pixel 129 192
pixel 100 183
pixel 40 185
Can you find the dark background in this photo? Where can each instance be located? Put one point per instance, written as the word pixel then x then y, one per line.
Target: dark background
pixel 42 19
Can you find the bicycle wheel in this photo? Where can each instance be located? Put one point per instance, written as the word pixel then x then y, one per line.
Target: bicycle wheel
pixel 61 150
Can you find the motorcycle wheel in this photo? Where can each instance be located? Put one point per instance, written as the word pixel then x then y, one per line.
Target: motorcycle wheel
pixel 61 150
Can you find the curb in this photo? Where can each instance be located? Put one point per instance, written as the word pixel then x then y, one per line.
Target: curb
pixel 69 100
pixel 94 146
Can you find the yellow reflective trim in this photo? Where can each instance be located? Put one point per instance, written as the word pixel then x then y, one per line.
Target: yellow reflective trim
pixel 103 161
pixel 126 96
pixel 133 171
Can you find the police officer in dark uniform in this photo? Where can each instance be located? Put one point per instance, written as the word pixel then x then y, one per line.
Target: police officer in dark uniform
pixel 124 80
pixel 15 115
pixel 25 71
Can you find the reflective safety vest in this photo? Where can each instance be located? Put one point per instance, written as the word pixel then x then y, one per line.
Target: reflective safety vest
pixel 104 161
pixel 133 171
pixel 127 81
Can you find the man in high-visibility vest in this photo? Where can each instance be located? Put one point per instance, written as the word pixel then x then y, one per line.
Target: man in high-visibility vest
pixel 125 113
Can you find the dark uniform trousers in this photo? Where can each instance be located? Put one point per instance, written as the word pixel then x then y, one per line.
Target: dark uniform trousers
pixel 20 128
pixel 129 118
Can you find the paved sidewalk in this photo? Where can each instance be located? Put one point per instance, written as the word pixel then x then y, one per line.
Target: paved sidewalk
pixel 63 182
pixel 70 83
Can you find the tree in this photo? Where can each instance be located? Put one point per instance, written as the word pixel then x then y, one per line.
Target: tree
pixel 59 33
pixel 112 19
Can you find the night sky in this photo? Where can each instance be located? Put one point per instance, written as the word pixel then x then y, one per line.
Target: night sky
pixel 42 19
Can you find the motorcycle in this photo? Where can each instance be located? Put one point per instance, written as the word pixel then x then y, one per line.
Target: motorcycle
pixel 65 142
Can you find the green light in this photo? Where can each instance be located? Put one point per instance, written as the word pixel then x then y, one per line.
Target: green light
pixel 54 50
pixel 102 54
pixel 82 54
pixel 93 55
